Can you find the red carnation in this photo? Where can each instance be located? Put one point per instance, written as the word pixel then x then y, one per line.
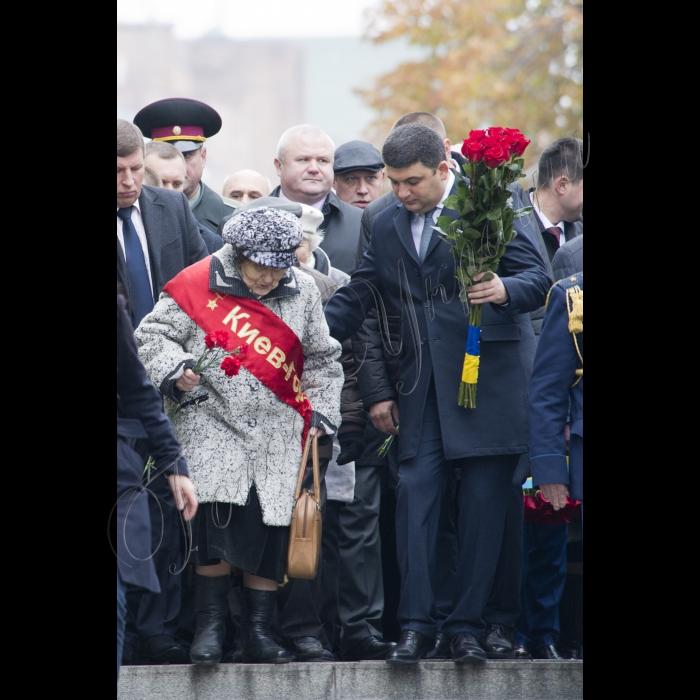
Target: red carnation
pixel 210 340
pixel 221 339
pixel 243 349
pixel 473 150
pixel 231 366
pixel 496 156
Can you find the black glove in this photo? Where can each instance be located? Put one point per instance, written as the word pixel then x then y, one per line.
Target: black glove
pixel 352 445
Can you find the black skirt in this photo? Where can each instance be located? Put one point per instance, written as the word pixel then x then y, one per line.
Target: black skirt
pixel 237 535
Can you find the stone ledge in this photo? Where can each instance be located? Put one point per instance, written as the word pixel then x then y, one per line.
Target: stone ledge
pixel 365 680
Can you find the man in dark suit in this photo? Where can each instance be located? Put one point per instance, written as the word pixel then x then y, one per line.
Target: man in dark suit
pixel 305 167
pixel 161 232
pixel 187 124
pixel 410 266
pixel 157 237
pixel 555 221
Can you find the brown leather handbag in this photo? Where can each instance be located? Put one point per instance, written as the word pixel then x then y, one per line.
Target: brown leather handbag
pixel 305 530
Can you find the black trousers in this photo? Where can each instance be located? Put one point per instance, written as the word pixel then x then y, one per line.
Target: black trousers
pixel 158 613
pixel 487 585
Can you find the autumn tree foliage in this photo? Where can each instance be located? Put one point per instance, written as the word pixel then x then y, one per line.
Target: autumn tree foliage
pixel 511 63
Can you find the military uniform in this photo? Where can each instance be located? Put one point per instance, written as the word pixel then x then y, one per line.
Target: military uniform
pixel 557 381
pixel 187 124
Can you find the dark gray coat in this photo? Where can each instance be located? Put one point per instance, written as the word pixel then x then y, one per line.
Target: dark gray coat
pixel 211 208
pixel 568 260
pixel 174 241
pixel 434 347
pixel 341 227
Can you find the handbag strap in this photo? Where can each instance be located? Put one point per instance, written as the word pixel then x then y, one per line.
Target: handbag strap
pixel 316 469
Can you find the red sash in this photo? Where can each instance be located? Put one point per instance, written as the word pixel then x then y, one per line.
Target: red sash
pixel 275 355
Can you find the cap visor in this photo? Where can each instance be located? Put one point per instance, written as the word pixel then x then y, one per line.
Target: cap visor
pixel 187 146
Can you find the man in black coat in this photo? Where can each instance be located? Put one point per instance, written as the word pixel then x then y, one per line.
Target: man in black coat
pixel 409 266
pixel 157 237
pixel 140 415
pixel 305 167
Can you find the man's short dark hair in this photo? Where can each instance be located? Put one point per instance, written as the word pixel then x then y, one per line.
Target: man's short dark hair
pixel 424 118
pixel 563 157
pixel 413 143
pixel 163 150
pixel 129 138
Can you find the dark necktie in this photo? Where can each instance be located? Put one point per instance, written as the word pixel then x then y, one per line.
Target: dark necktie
pixel 427 234
pixel 556 232
pixel 141 300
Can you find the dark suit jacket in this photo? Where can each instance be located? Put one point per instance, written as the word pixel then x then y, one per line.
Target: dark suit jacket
pixel 434 345
pixel 546 244
pixel 341 228
pixel 211 208
pixel 552 398
pixel 568 260
pixel 139 415
pixel 174 241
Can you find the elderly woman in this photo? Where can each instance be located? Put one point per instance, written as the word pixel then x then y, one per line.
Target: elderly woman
pixel 242 434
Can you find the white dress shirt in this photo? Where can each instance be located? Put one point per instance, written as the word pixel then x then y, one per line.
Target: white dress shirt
pixel 140 232
pixel 548 224
pixel 318 205
pixel 417 220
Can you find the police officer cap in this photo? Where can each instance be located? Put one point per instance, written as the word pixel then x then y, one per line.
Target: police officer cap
pixel 184 123
pixel 357 155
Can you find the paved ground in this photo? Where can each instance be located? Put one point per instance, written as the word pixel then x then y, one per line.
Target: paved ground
pixel 366 680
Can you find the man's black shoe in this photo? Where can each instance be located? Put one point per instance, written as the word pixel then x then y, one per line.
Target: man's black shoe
pixel 498 642
pixel 163 649
pixel 466 649
pixel 441 650
pixel 548 651
pixel 521 652
pixel 306 648
pixel 569 651
pixel 410 649
pixel 369 649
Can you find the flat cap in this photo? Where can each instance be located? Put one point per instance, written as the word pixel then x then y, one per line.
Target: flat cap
pixel 357 155
pixel 265 235
pixel 184 123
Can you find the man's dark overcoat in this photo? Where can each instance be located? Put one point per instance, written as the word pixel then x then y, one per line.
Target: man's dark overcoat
pixel 211 209
pixel 174 241
pixel 139 415
pixel 434 332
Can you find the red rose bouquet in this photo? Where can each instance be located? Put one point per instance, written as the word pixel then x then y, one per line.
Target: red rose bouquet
pixel 484 227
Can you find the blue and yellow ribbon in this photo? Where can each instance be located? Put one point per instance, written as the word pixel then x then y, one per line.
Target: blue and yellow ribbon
pixel 470 369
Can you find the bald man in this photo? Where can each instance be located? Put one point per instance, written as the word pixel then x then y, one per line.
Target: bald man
pixel 304 165
pixel 245 186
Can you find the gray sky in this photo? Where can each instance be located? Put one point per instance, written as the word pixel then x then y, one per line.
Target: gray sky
pixel 247 19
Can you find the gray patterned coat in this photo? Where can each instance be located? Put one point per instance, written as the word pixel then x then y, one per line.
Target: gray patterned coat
pixel 243 434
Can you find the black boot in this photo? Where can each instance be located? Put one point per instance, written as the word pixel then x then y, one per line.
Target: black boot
pixel 210 603
pixel 258 645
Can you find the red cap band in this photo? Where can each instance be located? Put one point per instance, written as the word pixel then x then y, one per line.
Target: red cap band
pixel 172 131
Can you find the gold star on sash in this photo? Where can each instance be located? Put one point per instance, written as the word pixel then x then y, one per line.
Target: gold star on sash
pixel 212 304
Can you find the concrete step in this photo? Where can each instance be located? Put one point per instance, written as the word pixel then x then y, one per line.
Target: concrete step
pixel 364 680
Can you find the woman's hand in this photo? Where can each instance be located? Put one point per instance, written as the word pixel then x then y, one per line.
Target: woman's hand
pixel 187 381
pixel 183 492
